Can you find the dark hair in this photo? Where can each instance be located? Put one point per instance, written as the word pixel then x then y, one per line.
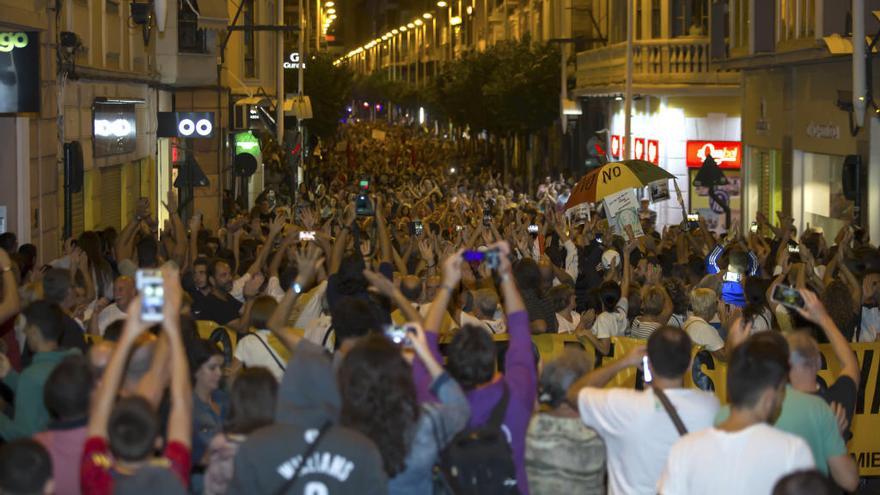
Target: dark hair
pixel 25 467
pixel 838 301
pixel 261 311
pixel 212 267
pixel 755 291
pixel 471 357
pixel 132 428
pixel 199 351
pixel 676 290
pixel 56 285
pixel 757 364
pixel 114 331
pixel 251 401
pixel 47 317
pixel 90 243
pixel 148 252
pixel 351 280
pixel 379 398
pixel 68 389
pixel 737 261
pixel 609 295
pixel 352 317
pixel 202 261
pixel 560 296
pixel 8 240
pixel 669 349
pixel 527 274
pixel 807 482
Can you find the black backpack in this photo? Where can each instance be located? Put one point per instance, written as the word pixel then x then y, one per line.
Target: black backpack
pixel 479 461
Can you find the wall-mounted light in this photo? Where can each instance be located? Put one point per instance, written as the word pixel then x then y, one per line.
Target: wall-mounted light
pixel 410 25
pixel 442 4
pixel 427 15
pixel 418 22
pixel 469 10
pixel 455 20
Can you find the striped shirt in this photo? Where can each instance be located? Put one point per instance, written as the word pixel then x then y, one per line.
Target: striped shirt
pixel 643 329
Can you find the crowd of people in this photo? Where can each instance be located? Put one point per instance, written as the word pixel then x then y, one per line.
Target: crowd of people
pixel 375 336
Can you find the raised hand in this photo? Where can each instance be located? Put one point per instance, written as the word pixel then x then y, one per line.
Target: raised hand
pixel 380 282
pixel 307 262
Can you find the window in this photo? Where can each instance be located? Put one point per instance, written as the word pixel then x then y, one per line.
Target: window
pixel 690 17
pixel 190 39
pixel 250 42
pixel 656 32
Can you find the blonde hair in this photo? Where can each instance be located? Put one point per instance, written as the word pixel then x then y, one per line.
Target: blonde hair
pixel 653 300
pixel 704 303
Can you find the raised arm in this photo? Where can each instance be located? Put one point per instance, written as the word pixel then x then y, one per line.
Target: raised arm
pixel 105 395
pixel 600 377
pixel 307 262
pixel 386 288
pixel 449 282
pixel 382 233
pixel 814 311
pixel 180 419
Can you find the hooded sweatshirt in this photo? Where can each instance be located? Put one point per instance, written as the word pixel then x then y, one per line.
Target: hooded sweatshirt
pixel 344 460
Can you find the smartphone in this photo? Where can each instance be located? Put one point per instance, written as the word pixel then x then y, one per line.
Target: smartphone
pixel 599 237
pixel 646 370
pixel 152 291
pixel 693 221
pixel 307 235
pixel 788 296
pixel 533 229
pixel 487 220
pixel 491 257
pixel 732 277
pixel 754 228
pixel 363 207
pixel 793 248
pixel 459 228
pixel 364 185
pixel 397 334
pixel 416 228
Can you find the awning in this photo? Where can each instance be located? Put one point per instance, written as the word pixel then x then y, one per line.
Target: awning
pixel 299 107
pixel 213 15
pixel 262 101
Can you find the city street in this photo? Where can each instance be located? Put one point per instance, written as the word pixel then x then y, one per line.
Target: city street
pixel 440 246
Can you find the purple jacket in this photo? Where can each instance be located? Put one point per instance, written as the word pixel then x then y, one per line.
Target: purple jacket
pixel 521 377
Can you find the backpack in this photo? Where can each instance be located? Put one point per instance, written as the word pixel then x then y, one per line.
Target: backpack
pixel 479 461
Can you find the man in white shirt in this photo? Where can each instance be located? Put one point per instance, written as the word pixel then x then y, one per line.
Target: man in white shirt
pixel 637 430
pixel 481 307
pixel 743 454
pixel 124 290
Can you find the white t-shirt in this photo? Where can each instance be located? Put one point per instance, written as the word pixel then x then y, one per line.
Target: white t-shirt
pixel 316 331
pixel 613 324
pixel 718 462
pixel 638 432
pixel 491 326
pixel 252 353
pixel 107 316
pixel 703 334
pixel 566 326
pixel 870 325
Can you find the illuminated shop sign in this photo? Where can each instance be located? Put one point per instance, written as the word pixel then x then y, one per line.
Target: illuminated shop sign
pixel 19 72
pixel 653 151
pixel 616 145
pixel 186 124
pixel 114 127
pixel 645 148
pixel 293 61
pixel 727 154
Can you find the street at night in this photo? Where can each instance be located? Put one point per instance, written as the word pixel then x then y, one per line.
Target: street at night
pixel 456 247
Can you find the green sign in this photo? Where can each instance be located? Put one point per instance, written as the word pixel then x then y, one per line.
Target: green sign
pixel 246 142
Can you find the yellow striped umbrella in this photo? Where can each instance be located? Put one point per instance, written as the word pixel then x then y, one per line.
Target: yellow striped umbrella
pixel 615 177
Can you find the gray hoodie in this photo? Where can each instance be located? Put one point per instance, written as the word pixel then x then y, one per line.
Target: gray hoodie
pixel 344 461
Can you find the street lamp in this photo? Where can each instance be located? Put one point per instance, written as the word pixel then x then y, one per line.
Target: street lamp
pixel 411 25
pixel 418 22
pixel 427 15
pixel 442 4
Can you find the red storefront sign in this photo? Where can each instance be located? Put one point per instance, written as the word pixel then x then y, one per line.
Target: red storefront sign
pixel 616 145
pixel 653 151
pixel 639 147
pixel 727 154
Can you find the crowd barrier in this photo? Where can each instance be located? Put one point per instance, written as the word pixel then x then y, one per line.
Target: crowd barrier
pixel 710 374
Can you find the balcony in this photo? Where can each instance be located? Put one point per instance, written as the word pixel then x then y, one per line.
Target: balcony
pixel 659 65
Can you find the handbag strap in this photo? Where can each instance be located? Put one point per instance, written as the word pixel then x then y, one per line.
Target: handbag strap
pixel 500 409
pixel 670 410
pixel 308 453
pixel 269 350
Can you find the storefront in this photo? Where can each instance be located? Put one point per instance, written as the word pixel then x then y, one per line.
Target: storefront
pixel 796 146
pixel 662 129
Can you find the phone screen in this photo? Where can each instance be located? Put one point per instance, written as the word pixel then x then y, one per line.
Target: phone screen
pixel 732 277
pixel 307 235
pixel 152 291
pixel 397 334
pixel 794 249
pixel 788 296
pixel 364 184
pixel 533 229
pixel 754 228
pixel 693 218
pixel 646 370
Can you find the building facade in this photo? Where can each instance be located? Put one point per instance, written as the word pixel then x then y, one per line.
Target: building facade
pixel 97 73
